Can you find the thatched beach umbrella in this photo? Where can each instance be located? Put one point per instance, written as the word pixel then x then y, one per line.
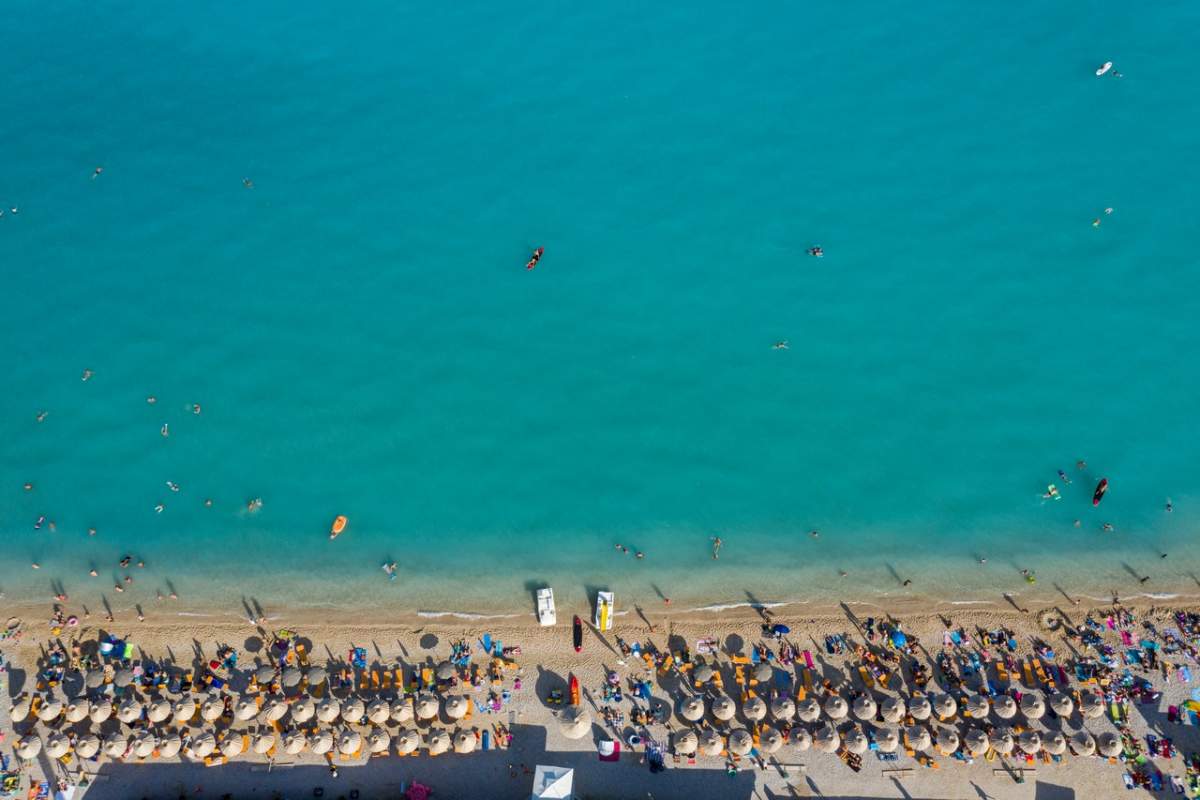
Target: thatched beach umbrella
pixel 170 746
pixel 87 746
pixel 303 710
pixel 426 706
pixel 945 706
pixel 130 710
pixel 754 709
pixel 917 737
pixel 402 709
pixel 291 677
pixel 212 709
pixel 783 709
pixel 1001 740
pixel 1083 743
pixel 94 679
pixel 378 711
pixel 263 742
pixel 1109 744
pixel 184 709
pixel 378 740
pixel 975 742
pixel 203 745
pixel 349 742
pixel 123 678
pixel 575 722
pixel 51 710
pixel 685 742
pixel 320 742
pixel 808 710
pixel 827 739
pixel 439 742
pixel 762 672
pixel 294 743
pixel 740 742
pixel 159 710
pixel 801 739
pixel 855 741
pixel 246 709
pixel 1091 705
pixel 887 740
pixel 445 671
pixel 20 710
pixel 947 740
pixel 328 709
pixel 143 744
pixel 274 708
pixel 1032 705
pixel 976 706
pixel 892 709
pixel 265 674
pixel 1061 704
pixel 464 742
pixel 704 673
pixel 1004 707
pixel 864 707
pixel 1030 742
pixel 455 706
pixel 1054 743
pixel 407 741
pixel 231 745
pixel 920 707
pixel 115 745
pixel 711 742
pixel 835 707
pixel 770 740
pixel 722 707
pixel 77 711
pixel 57 746
pixel 692 708
pixel 317 676
pixel 28 748
pixel 353 711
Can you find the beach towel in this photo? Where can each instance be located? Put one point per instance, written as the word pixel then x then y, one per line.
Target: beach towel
pixel 1126 639
pixel 1185 674
pixel 956 638
pixel 808 659
pixel 486 641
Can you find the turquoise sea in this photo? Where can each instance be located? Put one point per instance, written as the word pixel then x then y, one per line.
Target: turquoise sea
pixel 363 339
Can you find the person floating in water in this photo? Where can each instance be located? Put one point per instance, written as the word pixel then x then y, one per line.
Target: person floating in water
pixel 97 172
pixel 1169 507
pixel 165 430
pixel 1064 477
pixel 1081 464
pixel 390 569
pixel 254 505
pixel 249 184
pixel 816 252
pixel 87 373
pixel 1029 576
pixel 535 258
pixel 782 344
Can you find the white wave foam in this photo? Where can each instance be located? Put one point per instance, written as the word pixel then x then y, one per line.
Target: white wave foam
pixel 728 606
pixel 970 602
pixel 465 615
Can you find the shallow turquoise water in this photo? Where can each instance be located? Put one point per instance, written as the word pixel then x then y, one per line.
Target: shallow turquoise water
pixel 363 338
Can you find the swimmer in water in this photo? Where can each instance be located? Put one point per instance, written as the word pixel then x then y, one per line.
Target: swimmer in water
pixel 815 534
pixel 41 416
pixel 37 526
pixel 158 509
pixel 254 505
pixel 1108 527
pixel 29 487
pixel 782 344
pixel 816 252
pixel 195 408
pixel 165 430
pixel 1108 210
pixel 1062 475
pixel 639 554
pixel 208 502
pixel 125 561
pixel 91 531
pixel 173 486
pixel 36 565
pixel 1169 507
pixel 118 587
pixel 93 573
pixel 1078 523
pixel 1096 222
pixel 87 373
pixel 249 184
pixel 151 399
pixel 983 561
pixel 1081 464
pixel 97 172
pixel 716 540
pixel 390 569
pixel 1051 493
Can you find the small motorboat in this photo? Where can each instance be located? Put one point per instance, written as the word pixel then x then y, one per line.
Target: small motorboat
pixel 1101 488
pixel 1104 68
pixel 545 607
pixel 577 634
pixel 605 602
pixel 535 258
pixel 339 525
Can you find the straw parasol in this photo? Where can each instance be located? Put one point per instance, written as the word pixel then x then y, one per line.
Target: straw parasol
pixel 1004 707
pixel 50 710
pixel 575 722
pixel 212 709
pixel 762 672
pixel 945 706
pixel 1001 741
pixel 855 741
pixel 426 706
pixel 291 677
pixel 464 741
pixel 123 678
pixel 29 747
pixel 294 743
pixel 87 746
pixel 231 745
pixel 402 709
pixel 1032 705
pixel 407 741
pixel 827 739
pixel 892 709
pixel 920 707
pixel 808 710
pixel 1055 743
pixel 445 671
pixel 1109 744
pixel 711 742
pixel 94 679
pixel 321 742
pixel 835 707
pixel 264 674
pixel 274 708
pixel 887 740
pixel 303 710
pixel 740 742
pixel 975 742
pixel 115 745
pixel 328 709
pixel 170 746
pixel 455 706
pixel 130 710
pixel 20 710
pixel 349 742
pixel 783 709
pixel 722 707
pixel 246 709
pixel 1030 742
pixel 263 742
pixel 77 711
pixel 378 711
pixel 770 740
pixel 947 740
pixel 144 744
pixel 754 709
pixel 317 676
pixel 976 706
pixel 1091 705
pixel 802 739
pixel 353 710
pixel 704 673
pixel 1083 743
pixel 57 746
pixel 1061 704
pixel 439 742
pixel 917 737
pixel 184 709
pixel 378 740
pixel 159 710
pixel 203 745
pixel 864 707
pixel 685 742
pixel 692 708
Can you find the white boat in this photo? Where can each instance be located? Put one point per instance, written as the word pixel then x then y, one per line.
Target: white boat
pixel 605 607
pixel 545 607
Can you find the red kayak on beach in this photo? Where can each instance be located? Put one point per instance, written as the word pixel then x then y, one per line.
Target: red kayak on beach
pixel 577 632
pixel 1101 488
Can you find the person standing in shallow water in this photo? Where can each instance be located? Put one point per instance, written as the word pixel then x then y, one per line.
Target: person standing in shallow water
pixel 716 553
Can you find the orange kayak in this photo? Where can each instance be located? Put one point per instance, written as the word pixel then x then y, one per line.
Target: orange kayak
pixel 339 525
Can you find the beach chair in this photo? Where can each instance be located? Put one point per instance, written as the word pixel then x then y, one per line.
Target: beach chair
pixel 375 680
pixel 215 761
pixel 302 654
pixel 807 678
pixel 740 659
pixel 739 672
pixel 387 679
pixel 1001 671
pixel 865 674
pixel 1028 670
pixel 668 662
pixel 427 681
pixel 1039 670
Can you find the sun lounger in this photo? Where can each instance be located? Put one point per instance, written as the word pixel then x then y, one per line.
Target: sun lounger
pixel 375 680
pixel 1028 673
pixel 865 675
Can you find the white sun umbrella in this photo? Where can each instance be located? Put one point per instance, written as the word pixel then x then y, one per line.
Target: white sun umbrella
pixel 770 740
pixel 87 746
pixel 575 722
pixel 783 709
pixel 1055 743
pixel 692 708
pixel 402 709
pixel 1004 707
pixel 265 674
pixel 274 708
pixel 184 709
pixel 456 706
pixel 917 737
pixel 130 710
pixel 426 706
pixel 1001 740
pixel 855 741
pixel 836 707
pixel 722 707
pixel 317 676
pixel 94 679
pixel 944 706
pixel 976 742
pixel 740 742
pixel 231 745
pixel 1083 743
pixel 245 709
pixel 378 711
pixel 685 742
pixel 144 744
pixel 887 740
pixel 827 739
pixel 704 673
pixel 115 745
pixel 328 709
pixel 20 710
pixel 464 742
pixel 291 677
pixel 50 710
pixel 1061 704
pixel 349 742
pixel 407 741
pixel 303 710
pixel 77 711
pixel 28 747
pixel 294 743
pixel 57 746
pixel 445 671
pixel 439 742
pixel 1091 705
pixel 170 746
pixel 1030 742
pixel 763 672
pixel 754 709
pixel 976 706
pixel 920 707
pixel 378 740
pixel 808 710
pixel 212 709
pixel 711 742
pixel 1109 744
pixel 1032 705
pixel 801 739
pixel 203 745
pixel 353 711
pixel 864 707
pixel 892 709
pixel 321 742
pixel 123 678
pixel 263 742
pixel 159 710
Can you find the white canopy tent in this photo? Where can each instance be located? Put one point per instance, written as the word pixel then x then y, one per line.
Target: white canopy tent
pixel 553 782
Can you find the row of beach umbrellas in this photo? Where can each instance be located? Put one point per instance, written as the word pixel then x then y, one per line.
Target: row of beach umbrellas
pixel 289 677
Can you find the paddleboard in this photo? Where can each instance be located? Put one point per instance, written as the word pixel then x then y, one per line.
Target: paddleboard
pixel 577 633
pixel 1101 488
pixel 1107 66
